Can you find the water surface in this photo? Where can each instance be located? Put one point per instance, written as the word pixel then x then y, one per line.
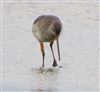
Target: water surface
pixel 78 44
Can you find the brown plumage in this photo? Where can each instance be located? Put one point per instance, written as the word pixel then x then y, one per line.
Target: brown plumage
pixel 47 28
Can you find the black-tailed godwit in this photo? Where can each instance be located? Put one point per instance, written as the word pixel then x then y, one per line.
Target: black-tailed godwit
pixel 47 28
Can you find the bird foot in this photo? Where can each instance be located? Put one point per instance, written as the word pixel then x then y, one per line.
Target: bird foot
pixel 54 63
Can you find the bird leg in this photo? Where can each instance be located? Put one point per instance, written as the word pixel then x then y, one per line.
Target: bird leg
pixel 43 52
pixel 54 63
pixel 58 49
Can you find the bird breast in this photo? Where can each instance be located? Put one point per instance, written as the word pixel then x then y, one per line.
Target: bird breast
pixel 44 35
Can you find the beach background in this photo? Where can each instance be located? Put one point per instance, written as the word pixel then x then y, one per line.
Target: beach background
pixel 79 44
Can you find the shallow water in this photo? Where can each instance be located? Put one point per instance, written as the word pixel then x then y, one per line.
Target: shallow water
pixel 21 64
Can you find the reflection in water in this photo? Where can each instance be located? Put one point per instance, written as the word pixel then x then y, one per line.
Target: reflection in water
pixel 79 48
pixel 45 79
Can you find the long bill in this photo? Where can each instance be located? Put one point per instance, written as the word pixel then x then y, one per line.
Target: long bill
pixel 58 49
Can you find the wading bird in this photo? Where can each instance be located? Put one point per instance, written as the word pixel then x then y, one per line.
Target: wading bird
pixel 47 28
